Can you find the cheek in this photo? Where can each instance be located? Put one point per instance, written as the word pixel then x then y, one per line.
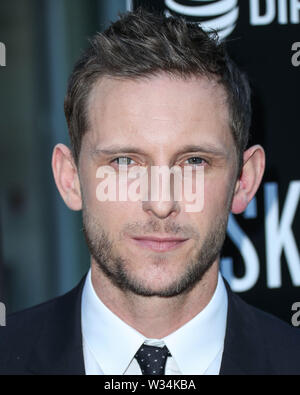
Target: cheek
pixel 113 215
pixel 217 195
pixel 216 202
pixel 88 183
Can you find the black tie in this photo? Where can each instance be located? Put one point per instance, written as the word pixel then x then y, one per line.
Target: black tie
pixel 152 360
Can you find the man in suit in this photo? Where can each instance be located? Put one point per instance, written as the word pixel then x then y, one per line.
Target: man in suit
pixel 153 92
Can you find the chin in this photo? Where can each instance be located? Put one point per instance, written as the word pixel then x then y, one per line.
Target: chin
pixel 156 284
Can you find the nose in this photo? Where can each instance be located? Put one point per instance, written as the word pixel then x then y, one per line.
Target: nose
pixel 160 199
pixel 161 209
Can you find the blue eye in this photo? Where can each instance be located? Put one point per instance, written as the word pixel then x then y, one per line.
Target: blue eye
pixel 122 160
pixel 195 160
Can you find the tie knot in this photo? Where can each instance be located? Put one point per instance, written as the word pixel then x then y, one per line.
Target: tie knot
pixel 152 360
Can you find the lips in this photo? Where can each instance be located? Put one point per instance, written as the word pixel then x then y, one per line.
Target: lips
pixel 159 244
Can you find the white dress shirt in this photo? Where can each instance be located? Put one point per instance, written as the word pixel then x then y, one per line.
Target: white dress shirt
pixel 109 344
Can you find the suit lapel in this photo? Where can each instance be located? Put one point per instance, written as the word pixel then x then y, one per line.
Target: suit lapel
pixel 244 348
pixel 58 348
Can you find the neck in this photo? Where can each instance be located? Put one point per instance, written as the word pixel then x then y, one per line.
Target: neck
pixel 155 317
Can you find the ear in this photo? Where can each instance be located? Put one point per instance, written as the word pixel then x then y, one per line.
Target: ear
pixel 66 176
pixel 249 178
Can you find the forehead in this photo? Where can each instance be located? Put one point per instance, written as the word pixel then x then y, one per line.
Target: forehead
pixel 157 111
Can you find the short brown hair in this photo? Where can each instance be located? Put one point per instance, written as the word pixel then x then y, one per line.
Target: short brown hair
pixel 142 44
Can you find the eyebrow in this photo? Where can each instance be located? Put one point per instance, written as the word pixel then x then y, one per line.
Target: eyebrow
pixel 116 149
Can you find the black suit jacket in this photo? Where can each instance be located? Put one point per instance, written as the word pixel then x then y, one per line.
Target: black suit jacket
pixel 47 340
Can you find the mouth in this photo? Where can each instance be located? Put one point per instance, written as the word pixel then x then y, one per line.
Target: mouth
pixel 159 244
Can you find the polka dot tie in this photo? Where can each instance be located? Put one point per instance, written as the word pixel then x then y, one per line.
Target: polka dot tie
pixel 152 360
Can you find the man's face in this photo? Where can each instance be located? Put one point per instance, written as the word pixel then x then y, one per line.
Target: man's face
pixel 160 121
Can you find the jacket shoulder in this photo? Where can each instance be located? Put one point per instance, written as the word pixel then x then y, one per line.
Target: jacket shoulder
pixel 23 330
pixel 269 324
pixel 273 340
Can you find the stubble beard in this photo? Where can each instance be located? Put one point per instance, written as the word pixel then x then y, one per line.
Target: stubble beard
pixel 115 267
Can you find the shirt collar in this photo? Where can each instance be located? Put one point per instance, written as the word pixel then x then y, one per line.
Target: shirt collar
pixel 114 343
pixel 195 345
